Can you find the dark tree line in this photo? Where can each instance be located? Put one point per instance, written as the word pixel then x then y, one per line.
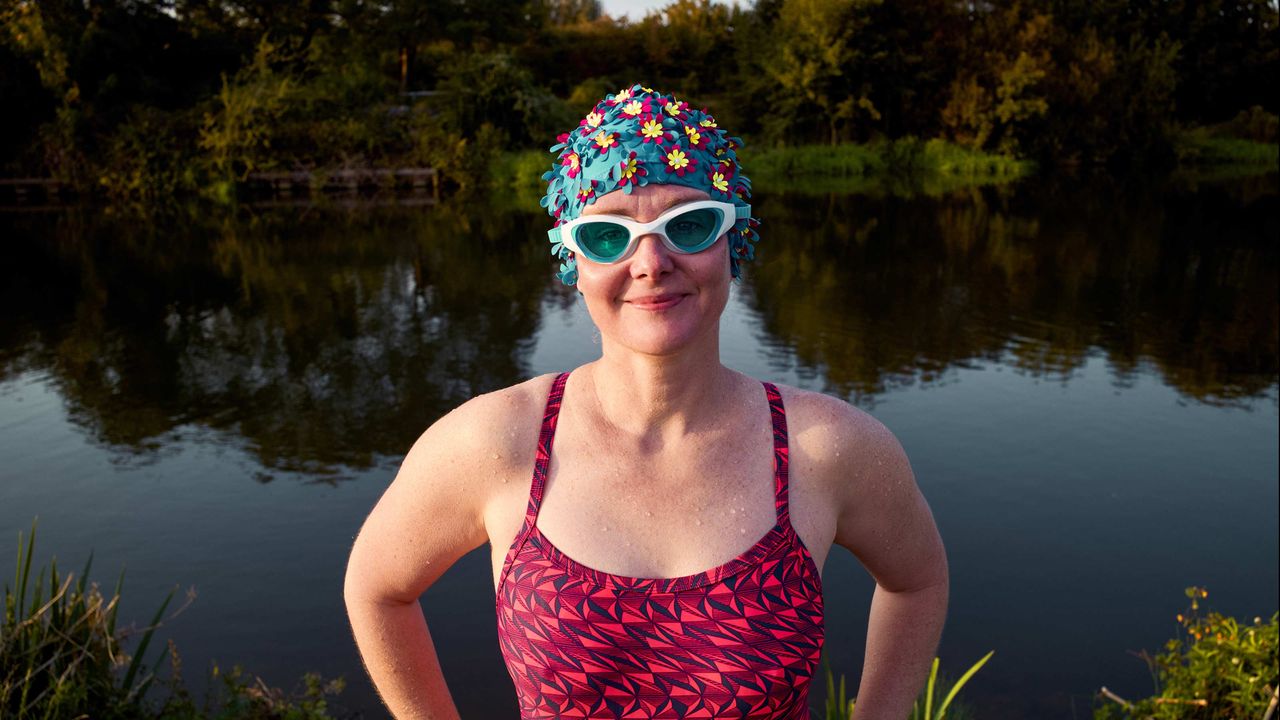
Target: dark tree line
pixel 144 96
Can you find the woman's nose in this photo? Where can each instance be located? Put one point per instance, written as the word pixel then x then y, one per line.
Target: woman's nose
pixel 651 258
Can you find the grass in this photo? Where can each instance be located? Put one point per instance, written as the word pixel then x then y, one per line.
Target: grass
pixel 1201 147
pixel 936 699
pixel 62 655
pixel 60 651
pixel 904 166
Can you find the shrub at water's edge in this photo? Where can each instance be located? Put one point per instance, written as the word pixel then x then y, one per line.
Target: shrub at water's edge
pixel 1216 668
pixel 62 655
pixel 907 162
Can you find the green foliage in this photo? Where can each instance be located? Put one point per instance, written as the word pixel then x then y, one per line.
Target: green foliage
pixel 60 652
pixel 1198 147
pixel 340 85
pixel 493 88
pixel 62 656
pixel 931 705
pixel 928 707
pixel 144 159
pixel 1216 668
pixel 236 136
pixel 1254 124
pixel 237 695
pixel 906 159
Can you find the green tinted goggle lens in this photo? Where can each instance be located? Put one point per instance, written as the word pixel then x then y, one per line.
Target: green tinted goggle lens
pixel 689 232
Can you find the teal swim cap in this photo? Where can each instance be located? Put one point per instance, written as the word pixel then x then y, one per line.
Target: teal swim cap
pixel 636 137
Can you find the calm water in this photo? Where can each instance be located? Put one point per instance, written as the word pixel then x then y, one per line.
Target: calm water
pixel 1085 379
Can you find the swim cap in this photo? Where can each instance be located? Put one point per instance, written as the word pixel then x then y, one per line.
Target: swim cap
pixel 636 137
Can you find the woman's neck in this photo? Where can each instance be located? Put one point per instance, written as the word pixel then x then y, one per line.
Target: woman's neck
pixel 651 397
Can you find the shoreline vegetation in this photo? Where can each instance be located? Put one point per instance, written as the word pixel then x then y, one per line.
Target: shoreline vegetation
pixel 139 103
pixel 63 654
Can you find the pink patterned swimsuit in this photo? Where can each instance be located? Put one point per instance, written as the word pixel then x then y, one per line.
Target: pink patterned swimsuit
pixel 741 640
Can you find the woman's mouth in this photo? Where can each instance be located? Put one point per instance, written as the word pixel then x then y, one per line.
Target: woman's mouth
pixel 664 301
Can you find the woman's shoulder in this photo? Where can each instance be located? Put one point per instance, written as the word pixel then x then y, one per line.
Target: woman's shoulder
pixel 823 417
pixel 836 439
pixel 497 422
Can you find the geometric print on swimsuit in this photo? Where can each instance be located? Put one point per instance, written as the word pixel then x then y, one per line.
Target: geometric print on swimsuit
pixel 741 640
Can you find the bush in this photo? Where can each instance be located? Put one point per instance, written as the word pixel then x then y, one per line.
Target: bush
pixel 1217 668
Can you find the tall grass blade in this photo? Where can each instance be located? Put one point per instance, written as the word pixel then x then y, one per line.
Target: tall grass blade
pixel 928 693
pixel 84 574
pixel 115 607
pixel 136 662
pixel 955 689
pixel 24 568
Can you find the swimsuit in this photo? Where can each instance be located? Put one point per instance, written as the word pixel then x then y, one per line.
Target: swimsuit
pixel 740 640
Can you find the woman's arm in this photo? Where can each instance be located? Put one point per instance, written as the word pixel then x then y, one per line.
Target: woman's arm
pixel 884 520
pixel 431 515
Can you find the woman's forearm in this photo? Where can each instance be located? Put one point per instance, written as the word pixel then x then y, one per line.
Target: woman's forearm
pixel 401 659
pixel 902 637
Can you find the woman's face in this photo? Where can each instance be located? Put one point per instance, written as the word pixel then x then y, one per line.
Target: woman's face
pixel 656 301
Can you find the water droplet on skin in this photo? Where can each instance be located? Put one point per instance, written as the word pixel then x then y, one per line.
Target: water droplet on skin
pixel 742 530
pixel 496 456
pixel 504 481
pixel 732 511
pixel 648 514
pixel 604 528
pixel 698 522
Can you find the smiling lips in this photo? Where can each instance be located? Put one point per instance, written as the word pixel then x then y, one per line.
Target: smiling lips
pixel 664 301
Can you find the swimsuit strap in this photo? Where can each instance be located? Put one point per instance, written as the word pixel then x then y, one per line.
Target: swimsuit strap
pixel 546 436
pixel 781 462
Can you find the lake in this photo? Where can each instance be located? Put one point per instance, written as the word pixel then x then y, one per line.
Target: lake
pixel 1083 373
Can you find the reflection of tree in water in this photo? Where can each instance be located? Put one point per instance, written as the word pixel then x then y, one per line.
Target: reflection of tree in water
pixel 875 291
pixel 323 339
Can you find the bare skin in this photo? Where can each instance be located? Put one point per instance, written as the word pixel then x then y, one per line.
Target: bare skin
pixel 662 467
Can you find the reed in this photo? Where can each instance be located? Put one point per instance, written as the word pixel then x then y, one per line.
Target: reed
pixel 61 654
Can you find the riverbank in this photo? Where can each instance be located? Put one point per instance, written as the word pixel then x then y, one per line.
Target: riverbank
pixel 930 166
pixel 906 166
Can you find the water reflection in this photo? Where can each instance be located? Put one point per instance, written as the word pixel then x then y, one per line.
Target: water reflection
pixel 324 339
pixel 866 292
pixel 320 339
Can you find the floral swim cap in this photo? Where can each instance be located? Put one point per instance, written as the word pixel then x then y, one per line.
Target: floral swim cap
pixel 636 137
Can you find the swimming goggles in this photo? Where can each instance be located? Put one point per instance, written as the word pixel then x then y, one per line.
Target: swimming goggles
pixel 685 229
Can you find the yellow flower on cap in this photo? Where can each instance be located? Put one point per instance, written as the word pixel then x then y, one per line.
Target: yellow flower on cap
pixel 718 182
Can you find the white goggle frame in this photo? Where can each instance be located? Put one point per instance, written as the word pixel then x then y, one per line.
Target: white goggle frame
pixel 730 214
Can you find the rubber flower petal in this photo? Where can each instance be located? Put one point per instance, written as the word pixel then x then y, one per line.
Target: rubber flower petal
pixel 675 108
pixel 630 171
pixel 679 162
pixel 573 163
pixel 605 140
pixel 719 182
pixel 696 139
pixel 651 131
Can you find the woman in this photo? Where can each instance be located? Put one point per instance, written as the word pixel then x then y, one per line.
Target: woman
pixel 664 559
